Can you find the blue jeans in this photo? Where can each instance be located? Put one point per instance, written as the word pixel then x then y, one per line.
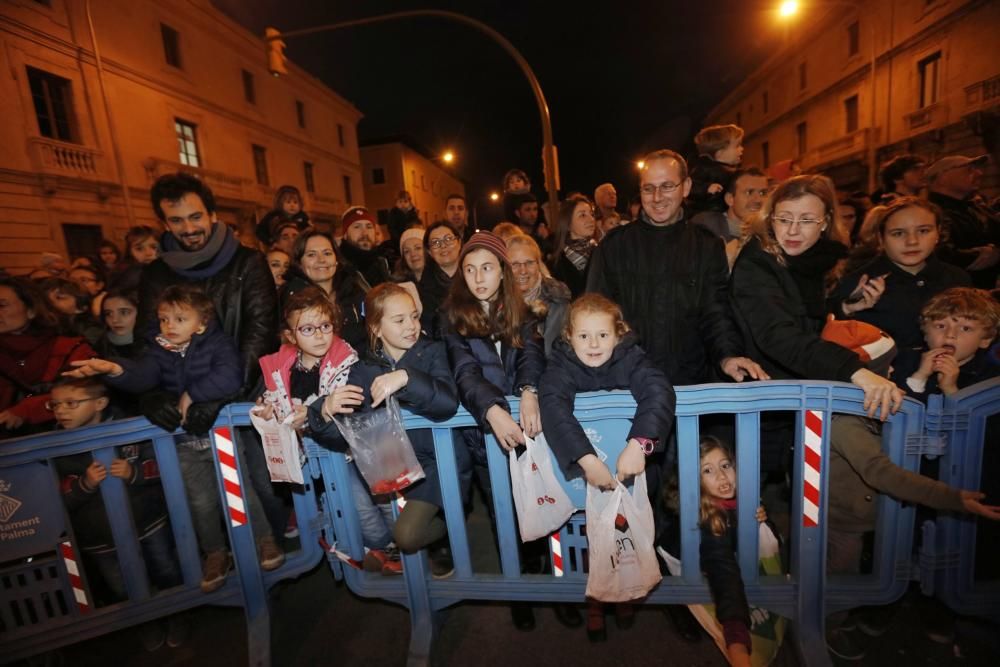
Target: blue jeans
pixel 157 552
pixel 376 518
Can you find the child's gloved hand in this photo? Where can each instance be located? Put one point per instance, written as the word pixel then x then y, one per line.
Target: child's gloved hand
pixel 96 472
pixel 631 461
pixel 596 473
pixel 160 408
pixel 201 416
pixel 121 468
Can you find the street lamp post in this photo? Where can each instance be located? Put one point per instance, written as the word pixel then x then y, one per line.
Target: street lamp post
pixel 275 40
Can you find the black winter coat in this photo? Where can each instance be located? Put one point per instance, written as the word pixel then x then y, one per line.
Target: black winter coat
pixel 778 329
pixel 718 562
pixel 371 264
pixel 704 172
pixel 672 284
pixel 969 226
pixel 429 392
pixel 399 221
pixel 349 288
pixel 628 368
pixel 209 370
pixel 566 272
pixel 245 303
pixel 433 289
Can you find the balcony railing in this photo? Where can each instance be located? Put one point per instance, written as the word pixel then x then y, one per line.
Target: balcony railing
pixel 928 118
pixel 65 159
pixel 983 93
pixel 220 182
pixel 850 144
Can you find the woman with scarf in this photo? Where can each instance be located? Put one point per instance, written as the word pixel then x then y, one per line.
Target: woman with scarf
pixel 32 355
pixel 574 243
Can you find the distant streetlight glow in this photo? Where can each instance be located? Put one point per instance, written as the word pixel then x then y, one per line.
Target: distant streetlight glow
pixel 788 8
pixel 448 157
pixel 640 164
pixel 494 196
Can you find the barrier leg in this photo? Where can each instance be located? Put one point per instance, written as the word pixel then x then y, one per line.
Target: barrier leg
pixel 421 613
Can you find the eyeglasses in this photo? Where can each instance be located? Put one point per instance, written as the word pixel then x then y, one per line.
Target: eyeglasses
pixel 308 330
pixel 443 242
pixel 72 404
pixel 785 221
pixel 663 188
pixel 523 266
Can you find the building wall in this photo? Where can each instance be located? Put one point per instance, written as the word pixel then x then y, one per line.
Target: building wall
pixel 407 169
pixel 45 183
pixel 906 32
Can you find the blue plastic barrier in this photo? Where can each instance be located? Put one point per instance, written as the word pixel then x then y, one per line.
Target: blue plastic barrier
pixel 804 596
pixel 45 601
pixel 949 548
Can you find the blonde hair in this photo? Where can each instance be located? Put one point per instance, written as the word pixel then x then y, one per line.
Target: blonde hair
pixel 507 230
pixel 712 139
pixel 375 309
pixel 796 188
pixel 974 304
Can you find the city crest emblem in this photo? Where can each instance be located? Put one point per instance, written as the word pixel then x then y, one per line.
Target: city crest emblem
pixel 8 505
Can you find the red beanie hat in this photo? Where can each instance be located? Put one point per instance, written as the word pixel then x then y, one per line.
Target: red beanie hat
pixel 354 214
pixel 488 241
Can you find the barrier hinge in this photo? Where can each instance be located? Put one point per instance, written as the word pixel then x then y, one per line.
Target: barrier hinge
pixel 926 444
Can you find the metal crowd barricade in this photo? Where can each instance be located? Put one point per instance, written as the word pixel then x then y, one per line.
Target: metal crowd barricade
pixel 45 596
pixel 804 595
pixel 948 557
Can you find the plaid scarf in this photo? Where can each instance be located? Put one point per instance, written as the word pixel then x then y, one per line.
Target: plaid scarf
pixel 578 252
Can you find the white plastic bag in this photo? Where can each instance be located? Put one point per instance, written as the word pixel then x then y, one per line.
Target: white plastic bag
pixel 620 531
pixel 542 505
pixel 380 448
pixel 281 448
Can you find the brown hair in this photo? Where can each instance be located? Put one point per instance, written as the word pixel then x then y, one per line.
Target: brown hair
pixel 975 304
pixel 34 299
pixel 879 216
pixel 375 309
pixel 714 138
pixel 309 298
pixel 188 296
pixel 507 312
pixel 592 302
pixel 795 188
pixel 709 513
pixel 564 220
pixel 92 385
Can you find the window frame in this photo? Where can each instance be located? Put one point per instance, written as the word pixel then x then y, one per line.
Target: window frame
pixel 183 156
pixel 854 38
pixel 924 99
pixel 249 87
pixel 172 51
pixel 63 128
pixel 300 113
pixel 260 164
pixel 852 107
pixel 309 173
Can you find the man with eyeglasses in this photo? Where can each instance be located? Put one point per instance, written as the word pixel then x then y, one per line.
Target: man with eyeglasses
pixel 443 244
pixel 973 230
pixel 744 196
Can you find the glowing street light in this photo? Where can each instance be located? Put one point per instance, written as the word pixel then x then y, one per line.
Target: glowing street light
pixel 494 196
pixel 448 157
pixel 640 164
pixel 788 8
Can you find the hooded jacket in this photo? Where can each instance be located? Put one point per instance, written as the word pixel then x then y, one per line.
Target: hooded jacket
pixel 277 371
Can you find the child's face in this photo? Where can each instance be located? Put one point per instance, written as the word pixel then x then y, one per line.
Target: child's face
pixel 399 327
pixel 146 250
pixel 910 237
pixel 718 475
pixel 732 154
pixel 961 336
pixel 307 334
pixel 74 407
pixel 593 338
pixel 108 256
pixel 483 274
pixel 178 324
pixel 278 262
pixel 119 315
pixel 516 184
pixel 290 204
pixel 86 281
pixel 63 302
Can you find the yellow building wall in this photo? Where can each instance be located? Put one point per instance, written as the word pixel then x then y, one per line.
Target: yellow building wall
pixel 407 169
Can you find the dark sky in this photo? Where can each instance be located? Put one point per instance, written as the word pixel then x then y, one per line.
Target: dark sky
pixel 620 78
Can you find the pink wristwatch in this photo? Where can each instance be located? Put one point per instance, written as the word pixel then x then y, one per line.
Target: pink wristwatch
pixel 646 444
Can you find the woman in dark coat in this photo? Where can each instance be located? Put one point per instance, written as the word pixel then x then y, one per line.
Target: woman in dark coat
pixel 777 291
pixel 575 243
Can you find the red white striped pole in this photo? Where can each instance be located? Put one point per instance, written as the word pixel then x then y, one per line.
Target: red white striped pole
pixel 75 580
pixel 557 556
pixel 230 476
pixel 812 467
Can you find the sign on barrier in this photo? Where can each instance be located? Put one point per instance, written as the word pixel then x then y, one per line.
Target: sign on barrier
pixel 31 516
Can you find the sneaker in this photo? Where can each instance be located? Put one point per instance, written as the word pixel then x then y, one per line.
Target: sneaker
pixel 596 632
pixel 442 566
pixel 271 556
pixel 845 644
pixel 393 564
pixel 153 635
pixel 178 630
pixel 214 570
pixel 292 527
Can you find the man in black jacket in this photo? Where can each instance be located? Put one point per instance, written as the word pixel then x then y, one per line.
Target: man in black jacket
pixel 359 246
pixel 670 278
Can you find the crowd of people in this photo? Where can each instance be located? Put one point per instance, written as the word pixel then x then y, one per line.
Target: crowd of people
pixel 716 272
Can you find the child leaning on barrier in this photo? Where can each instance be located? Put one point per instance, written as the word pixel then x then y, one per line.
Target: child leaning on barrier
pixel 197 367
pixel 400 362
pixel 82 403
pixel 597 352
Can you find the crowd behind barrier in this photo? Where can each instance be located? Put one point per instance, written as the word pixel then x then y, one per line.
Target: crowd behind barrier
pixel 45 602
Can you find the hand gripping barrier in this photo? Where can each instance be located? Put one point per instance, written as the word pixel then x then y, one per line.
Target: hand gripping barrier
pixel 45 597
pixel 805 595
pixel 971 460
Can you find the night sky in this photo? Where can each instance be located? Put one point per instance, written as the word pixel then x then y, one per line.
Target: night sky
pixel 622 80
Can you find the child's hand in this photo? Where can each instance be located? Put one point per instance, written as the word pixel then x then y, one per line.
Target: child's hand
pixel 971 504
pixel 96 472
pixel 388 384
pixel 631 461
pixel 531 416
pixel 90 367
pixel 342 401
pixel 946 367
pixel 715 188
pixel 121 468
pixel 9 420
pixel 505 429
pixel 596 473
pixel 300 414
pixel 761 514
pixel 264 410
pixel 183 405
pixel 926 367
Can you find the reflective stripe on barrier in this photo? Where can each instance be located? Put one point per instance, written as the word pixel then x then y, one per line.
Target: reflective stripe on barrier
pixel 43 608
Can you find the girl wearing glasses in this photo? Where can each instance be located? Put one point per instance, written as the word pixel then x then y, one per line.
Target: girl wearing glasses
pixel 778 296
